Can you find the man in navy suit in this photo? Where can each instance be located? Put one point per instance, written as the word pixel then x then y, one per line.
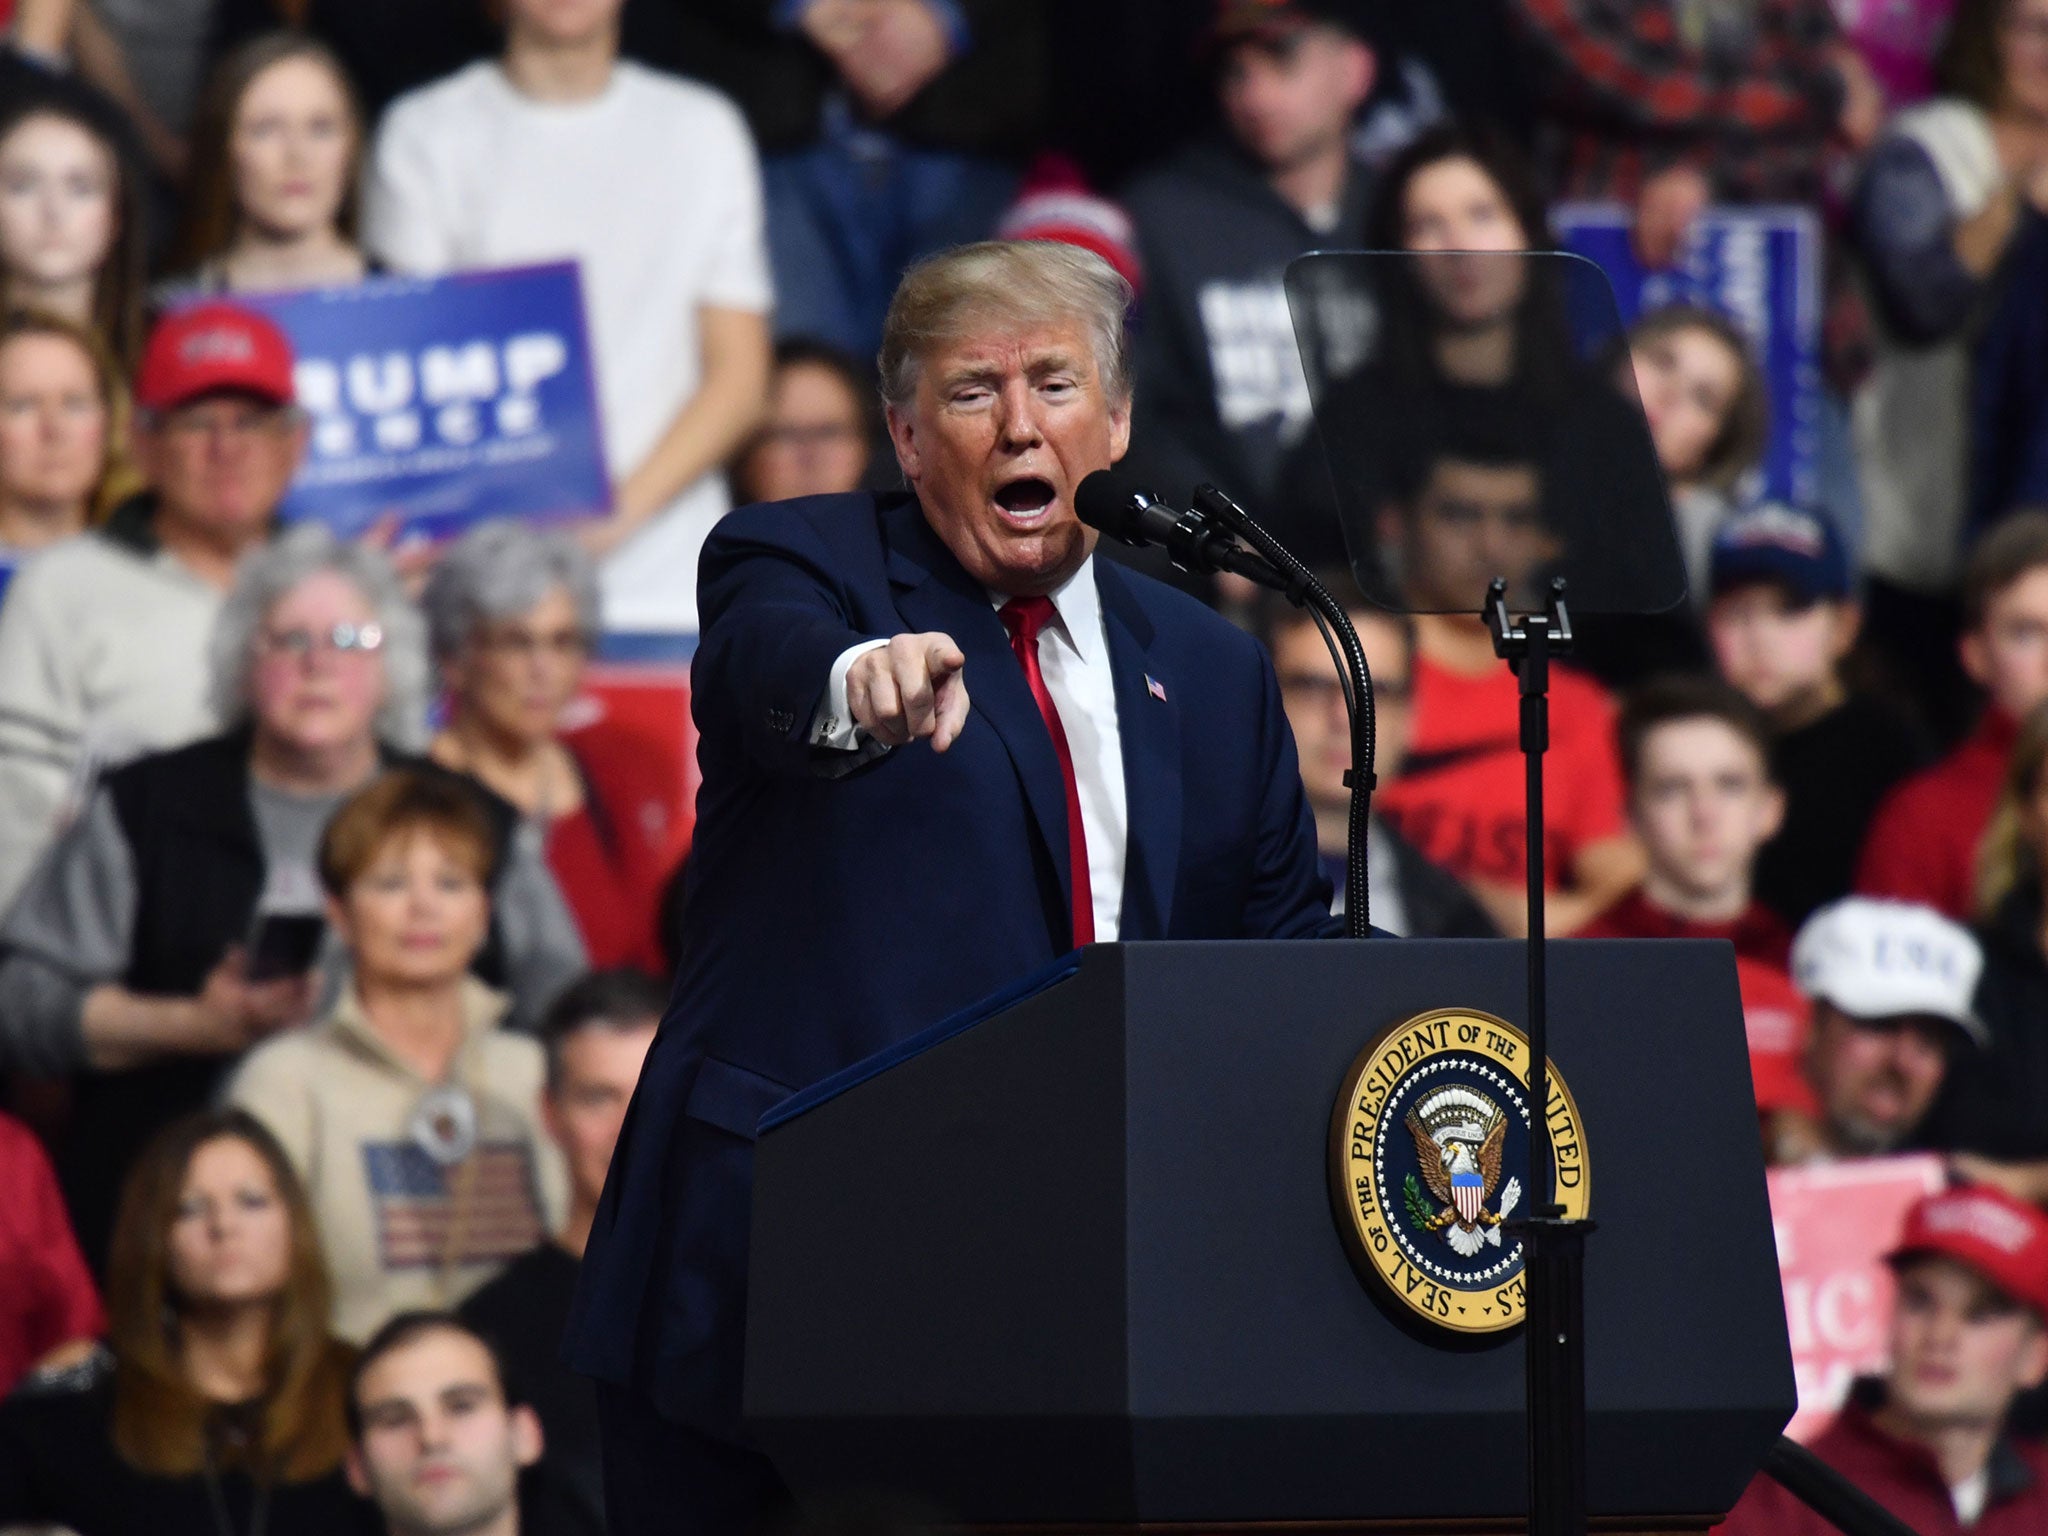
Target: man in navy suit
pixel 941 745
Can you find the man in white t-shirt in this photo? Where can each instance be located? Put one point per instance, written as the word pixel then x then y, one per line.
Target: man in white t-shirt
pixel 559 149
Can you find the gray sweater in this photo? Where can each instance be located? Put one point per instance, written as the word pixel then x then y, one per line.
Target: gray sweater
pixel 73 926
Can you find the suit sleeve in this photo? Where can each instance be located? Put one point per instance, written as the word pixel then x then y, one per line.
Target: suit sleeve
pixel 1290 895
pixel 775 618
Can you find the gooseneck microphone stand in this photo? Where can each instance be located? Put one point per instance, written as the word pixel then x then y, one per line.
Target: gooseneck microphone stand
pixel 1206 540
pixel 1305 592
pixel 1554 1267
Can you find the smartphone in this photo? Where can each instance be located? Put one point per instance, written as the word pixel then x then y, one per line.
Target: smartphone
pixel 284 944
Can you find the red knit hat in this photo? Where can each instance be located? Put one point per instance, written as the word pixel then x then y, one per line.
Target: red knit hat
pixel 2005 1240
pixel 210 347
pixel 1056 203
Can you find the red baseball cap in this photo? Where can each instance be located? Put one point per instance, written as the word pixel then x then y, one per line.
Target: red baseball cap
pixel 210 347
pixel 2005 1240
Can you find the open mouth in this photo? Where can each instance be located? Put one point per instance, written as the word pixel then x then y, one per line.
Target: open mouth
pixel 1025 501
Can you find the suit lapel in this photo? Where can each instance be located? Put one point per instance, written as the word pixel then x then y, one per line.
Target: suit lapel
pixel 934 593
pixel 1150 730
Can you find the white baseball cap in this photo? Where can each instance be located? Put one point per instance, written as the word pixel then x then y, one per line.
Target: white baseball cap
pixel 1880 959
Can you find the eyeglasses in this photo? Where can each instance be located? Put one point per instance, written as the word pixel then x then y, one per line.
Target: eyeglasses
pixel 1324 687
pixel 343 640
pixel 232 423
pixel 524 644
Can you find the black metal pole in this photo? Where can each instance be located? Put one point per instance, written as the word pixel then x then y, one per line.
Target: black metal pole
pixel 1554 1249
pixel 1829 1494
pixel 1304 591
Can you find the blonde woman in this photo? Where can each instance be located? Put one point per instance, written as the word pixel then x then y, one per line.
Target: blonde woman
pixel 1994 1104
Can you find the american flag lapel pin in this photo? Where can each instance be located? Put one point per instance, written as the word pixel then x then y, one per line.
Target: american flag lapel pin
pixel 1154 687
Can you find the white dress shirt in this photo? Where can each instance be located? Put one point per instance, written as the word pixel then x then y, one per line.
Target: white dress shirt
pixel 1073 655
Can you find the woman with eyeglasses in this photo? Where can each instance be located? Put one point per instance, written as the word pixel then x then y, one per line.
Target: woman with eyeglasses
pixel 512 612
pixel 176 922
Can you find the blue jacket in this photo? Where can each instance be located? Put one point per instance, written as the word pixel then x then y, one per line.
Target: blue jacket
pixel 837 902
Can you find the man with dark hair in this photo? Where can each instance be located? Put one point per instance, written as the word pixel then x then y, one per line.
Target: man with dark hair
pixel 1923 842
pixel 1783 618
pixel 1969 1334
pixel 1410 896
pixel 596 1035
pixel 1221 392
pixel 1695 757
pixel 1466 505
pixel 440 1435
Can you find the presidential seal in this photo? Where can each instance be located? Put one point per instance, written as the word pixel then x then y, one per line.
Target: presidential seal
pixel 1429 1158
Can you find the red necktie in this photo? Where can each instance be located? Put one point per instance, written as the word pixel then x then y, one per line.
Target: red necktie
pixel 1024 617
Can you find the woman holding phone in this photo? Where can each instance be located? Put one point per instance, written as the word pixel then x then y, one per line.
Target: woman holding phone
pixel 165 933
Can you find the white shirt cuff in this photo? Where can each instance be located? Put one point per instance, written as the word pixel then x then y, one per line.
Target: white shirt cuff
pixel 833 726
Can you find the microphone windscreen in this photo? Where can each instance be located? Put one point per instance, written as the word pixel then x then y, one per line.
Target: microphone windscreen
pixel 1103 501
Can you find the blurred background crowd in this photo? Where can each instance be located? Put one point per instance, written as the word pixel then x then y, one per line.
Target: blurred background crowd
pixel 336 910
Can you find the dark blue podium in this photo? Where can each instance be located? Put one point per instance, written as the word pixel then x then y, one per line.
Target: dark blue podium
pixel 1072 1262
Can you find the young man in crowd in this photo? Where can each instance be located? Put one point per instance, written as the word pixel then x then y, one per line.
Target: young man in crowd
pixel 1922 846
pixel 1465 510
pixel 1782 619
pixel 1969 1334
pixel 1410 896
pixel 559 149
pixel 596 1036
pixel 439 1437
pixel 889 129
pixel 1701 800
pixel 1891 985
pixel 103 638
pixel 1220 390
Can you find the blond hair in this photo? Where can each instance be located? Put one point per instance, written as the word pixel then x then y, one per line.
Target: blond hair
pixel 1005 283
pixel 2007 858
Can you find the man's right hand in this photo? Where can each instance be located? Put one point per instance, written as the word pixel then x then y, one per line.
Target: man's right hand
pixel 232 1012
pixel 910 688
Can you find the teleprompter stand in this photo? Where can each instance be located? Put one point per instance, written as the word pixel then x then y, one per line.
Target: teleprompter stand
pixel 1555 1269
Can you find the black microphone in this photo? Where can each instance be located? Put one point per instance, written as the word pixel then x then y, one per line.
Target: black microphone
pixel 1129 514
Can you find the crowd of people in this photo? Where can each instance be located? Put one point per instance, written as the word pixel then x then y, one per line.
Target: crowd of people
pixel 332 935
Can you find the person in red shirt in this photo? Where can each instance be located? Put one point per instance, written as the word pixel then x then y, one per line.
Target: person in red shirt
pixel 1471 513
pixel 1924 840
pixel 1969 1333
pixel 47 1299
pixel 513 613
pixel 1695 755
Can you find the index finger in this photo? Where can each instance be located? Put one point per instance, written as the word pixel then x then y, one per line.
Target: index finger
pixel 942 657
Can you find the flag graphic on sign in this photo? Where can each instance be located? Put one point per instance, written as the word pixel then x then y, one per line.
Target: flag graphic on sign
pixel 487 1206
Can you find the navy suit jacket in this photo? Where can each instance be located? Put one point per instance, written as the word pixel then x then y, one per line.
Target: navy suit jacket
pixel 837 902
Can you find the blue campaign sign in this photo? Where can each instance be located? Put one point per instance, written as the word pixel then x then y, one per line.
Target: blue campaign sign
pixel 445 400
pixel 1759 266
